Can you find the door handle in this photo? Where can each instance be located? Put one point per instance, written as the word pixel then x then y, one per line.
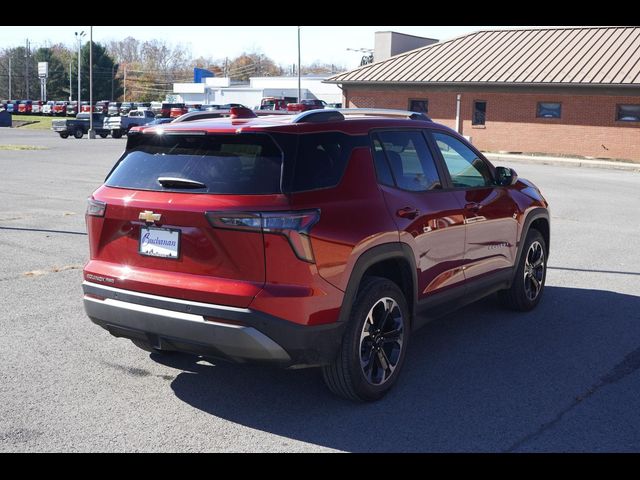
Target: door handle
pixel 473 206
pixel 408 212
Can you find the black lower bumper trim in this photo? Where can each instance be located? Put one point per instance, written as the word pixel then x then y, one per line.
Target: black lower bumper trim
pixel 175 324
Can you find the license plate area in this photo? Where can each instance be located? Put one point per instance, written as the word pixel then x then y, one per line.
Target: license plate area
pixel 159 242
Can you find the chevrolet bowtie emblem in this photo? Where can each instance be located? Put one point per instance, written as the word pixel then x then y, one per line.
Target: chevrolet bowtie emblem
pixel 149 217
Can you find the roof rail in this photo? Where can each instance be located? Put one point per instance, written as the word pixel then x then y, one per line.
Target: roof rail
pixel 385 112
pixel 333 114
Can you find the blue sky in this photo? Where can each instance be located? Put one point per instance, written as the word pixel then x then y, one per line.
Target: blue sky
pixel 324 44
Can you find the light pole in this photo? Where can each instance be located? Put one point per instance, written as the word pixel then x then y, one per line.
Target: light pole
pixel 79 40
pixel 92 134
pixel 299 89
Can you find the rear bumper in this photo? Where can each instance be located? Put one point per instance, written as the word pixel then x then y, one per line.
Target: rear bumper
pixel 230 333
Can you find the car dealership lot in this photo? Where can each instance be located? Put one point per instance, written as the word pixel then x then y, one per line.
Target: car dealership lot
pixel 564 377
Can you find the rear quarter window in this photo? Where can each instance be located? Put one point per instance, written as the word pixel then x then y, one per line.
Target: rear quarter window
pixel 322 159
pixel 248 164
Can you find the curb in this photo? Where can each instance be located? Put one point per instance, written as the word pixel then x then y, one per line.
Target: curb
pixel 565 162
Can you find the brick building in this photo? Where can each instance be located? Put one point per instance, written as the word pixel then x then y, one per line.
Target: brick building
pixel 571 91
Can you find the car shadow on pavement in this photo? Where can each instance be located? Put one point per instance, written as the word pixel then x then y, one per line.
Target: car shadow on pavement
pixel 481 379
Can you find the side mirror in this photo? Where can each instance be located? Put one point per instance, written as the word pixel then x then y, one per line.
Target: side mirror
pixel 506 176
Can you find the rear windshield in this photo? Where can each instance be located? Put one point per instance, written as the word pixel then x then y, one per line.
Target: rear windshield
pixel 249 164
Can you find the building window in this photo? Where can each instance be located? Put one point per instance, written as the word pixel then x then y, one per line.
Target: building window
pixel 628 113
pixel 421 106
pixel 549 110
pixel 479 113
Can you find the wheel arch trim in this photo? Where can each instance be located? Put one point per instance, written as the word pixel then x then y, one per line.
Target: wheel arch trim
pixel 535 214
pixel 371 257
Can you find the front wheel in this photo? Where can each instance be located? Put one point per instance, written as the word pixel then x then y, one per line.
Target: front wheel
pixel 374 344
pixel 528 284
pixel 64 135
pixel 78 133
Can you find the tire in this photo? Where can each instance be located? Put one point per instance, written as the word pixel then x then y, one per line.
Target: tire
pixel 78 133
pixel 104 135
pixel 64 134
pixel 528 283
pixel 351 376
pixel 116 134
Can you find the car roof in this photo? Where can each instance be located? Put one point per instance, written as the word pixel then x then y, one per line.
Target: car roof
pixel 355 121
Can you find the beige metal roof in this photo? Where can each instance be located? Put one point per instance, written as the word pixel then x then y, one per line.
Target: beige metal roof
pixel 542 56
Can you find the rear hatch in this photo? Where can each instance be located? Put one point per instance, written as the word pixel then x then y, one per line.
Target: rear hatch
pixel 159 228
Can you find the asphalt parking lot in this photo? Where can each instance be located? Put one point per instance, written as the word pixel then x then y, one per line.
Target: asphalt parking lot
pixel 564 377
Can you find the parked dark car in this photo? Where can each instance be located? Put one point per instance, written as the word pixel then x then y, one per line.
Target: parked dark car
pixel 79 126
pixel 321 239
pixel 142 106
pixel 125 108
pixel 114 108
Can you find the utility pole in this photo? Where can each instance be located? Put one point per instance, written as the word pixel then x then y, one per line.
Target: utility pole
pixel 70 87
pixel 79 39
pixel 124 99
pixel 26 55
pixel 10 78
pixel 299 89
pixel 113 69
pixel 92 133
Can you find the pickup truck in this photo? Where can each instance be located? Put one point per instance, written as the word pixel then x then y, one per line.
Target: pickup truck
pixel 119 126
pixel 80 125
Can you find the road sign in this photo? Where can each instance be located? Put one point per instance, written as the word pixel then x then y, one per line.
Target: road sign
pixel 43 69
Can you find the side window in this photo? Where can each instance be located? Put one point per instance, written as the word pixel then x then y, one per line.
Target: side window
pixel 549 110
pixel 410 160
pixel 465 168
pixel 479 113
pixel 419 106
pixel 322 159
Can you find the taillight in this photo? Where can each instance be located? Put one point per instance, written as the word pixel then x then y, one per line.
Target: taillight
pixel 95 208
pixel 294 226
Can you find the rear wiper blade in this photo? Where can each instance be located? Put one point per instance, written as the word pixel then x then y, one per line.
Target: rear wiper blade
pixel 180 183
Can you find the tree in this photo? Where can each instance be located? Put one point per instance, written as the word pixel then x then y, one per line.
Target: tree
pixel 252 64
pixel 19 61
pixel 104 74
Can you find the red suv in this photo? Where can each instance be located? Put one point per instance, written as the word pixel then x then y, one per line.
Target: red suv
pixel 321 239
